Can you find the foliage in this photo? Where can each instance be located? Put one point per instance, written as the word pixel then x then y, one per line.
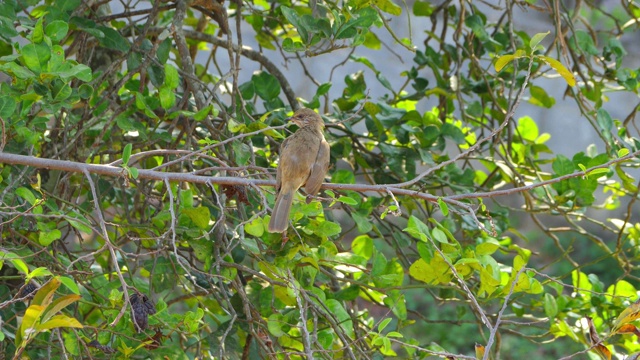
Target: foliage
pixel 450 227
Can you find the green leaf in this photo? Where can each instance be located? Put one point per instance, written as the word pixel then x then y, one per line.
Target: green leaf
pixel 363 246
pixel 113 40
pixel 621 153
pixel 344 320
pixel 164 49
pixel 584 40
pixel 186 198
pixel 17 262
pixel 343 177
pixel 366 17
pixel 167 97
pixel 61 93
pixel 133 172
pixel 605 122
pixel 422 8
pixel 38 272
pixel 347 200
pixel 266 85
pixel 275 323
pixel 536 39
pixel 57 30
pixel 171 77
pixel 203 113
pixel 488 247
pixel 70 284
pixel 36 57
pixel 443 207
pixel 37 35
pixel 141 104
pixel 81 72
pixel 453 132
pixel 7 106
pixel 295 20
pixel 582 167
pixel 550 306
pixel 540 97
pixel 126 154
pixel 289 45
pixel 417 229
pixel 349 294
pixel 67 5
pixel 527 129
pixel 563 166
pixel 18 71
pixel 242 152
pixel 71 343
pixel 255 227
pixel 20 265
pixel 598 171
pixel 46 238
pixel 362 222
pixel 488 283
pixel 581 282
pixel 79 222
pixel 200 216
pixel 328 229
pixel 85 91
pixel 395 301
pixel 285 294
pixel 383 324
pixel 439 236
pixel 388 6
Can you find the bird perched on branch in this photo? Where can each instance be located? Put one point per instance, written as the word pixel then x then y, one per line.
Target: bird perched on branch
pixel 304 160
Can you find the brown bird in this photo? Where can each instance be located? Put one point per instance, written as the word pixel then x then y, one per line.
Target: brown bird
pixel 304 160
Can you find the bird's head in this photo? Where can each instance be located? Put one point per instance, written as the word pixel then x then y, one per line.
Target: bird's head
pixel 306 117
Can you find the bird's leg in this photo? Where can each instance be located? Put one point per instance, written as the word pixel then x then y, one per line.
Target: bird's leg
pixel 285 238
pixel 310 198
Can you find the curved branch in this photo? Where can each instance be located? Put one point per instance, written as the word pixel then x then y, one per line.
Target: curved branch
pixel 177 28
pixel 251 55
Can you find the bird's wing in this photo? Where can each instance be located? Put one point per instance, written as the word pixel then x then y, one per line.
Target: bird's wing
pixel 279 172
pixel 318 169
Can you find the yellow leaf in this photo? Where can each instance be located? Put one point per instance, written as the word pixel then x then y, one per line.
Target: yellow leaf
pixel 285 294
pixel 561 69
pixel 29 320
pixel 58 305
pixel 503 61
pixel 45 293
pixel 437 271
pixel 59 321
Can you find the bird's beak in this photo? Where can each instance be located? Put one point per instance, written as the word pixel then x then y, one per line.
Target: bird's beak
pixel 294 120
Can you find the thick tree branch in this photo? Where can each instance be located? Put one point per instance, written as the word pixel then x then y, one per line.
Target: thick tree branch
pixel 108 170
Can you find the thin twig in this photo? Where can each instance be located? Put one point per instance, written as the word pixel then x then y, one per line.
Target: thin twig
pixel 494 330
pixel 114 257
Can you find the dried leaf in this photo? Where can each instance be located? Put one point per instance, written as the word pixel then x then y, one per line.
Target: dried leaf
pixel 629 314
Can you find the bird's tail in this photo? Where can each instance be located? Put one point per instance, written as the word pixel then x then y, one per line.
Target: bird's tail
pixel 280 215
